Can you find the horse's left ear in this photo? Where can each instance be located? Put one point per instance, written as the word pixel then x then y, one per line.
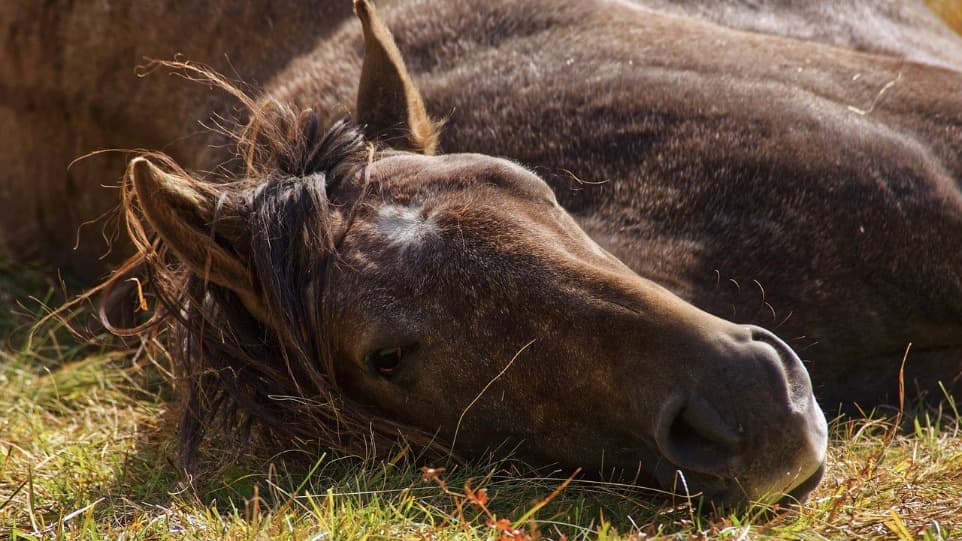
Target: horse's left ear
pixel 182 210
pixel 389 106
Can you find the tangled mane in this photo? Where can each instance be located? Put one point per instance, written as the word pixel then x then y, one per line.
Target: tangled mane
pixel 235 375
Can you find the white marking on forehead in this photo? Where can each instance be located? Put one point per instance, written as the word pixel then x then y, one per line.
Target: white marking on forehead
pixel 405 225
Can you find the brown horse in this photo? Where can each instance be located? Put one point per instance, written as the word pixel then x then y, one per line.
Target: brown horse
pixel 346 278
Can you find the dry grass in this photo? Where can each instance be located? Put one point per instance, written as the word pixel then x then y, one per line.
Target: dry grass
pixel 85 450
pixel 949 10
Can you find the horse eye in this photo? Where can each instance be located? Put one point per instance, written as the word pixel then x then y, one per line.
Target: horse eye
pixel 386 361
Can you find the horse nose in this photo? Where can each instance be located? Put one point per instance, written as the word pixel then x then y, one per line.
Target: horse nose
pixel 749 428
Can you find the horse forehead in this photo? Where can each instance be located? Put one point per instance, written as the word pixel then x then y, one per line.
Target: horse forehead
pixel 420 168
pixel 425 192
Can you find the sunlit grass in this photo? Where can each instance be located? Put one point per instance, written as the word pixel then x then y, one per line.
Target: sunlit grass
pixel 949 10
pixel 86 449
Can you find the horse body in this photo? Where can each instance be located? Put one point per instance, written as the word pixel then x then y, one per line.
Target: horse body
pixel 771 174
pixel 836 169
pixel 894 28
pixel 71 87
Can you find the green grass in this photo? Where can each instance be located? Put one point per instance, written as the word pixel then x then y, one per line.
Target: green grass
pixel 86 447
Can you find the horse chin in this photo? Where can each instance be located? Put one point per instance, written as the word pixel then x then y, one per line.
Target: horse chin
pixel 800 493
pixel 713 493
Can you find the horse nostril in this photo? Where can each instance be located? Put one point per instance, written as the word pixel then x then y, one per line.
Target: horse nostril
pixel 697 438
pixel 794 374
pixel 748 428
pixel 789 359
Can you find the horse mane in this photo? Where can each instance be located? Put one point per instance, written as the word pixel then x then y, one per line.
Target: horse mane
pixel 235 375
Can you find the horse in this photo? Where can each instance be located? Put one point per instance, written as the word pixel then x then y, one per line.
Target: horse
pixel 600 297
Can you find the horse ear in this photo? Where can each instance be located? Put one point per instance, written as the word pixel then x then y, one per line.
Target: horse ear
pixel 389 106
pixel 183 212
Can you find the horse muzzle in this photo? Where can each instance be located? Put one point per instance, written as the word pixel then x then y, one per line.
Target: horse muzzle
pixel 747 429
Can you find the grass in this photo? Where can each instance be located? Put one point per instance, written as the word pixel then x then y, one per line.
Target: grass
pixel 86 445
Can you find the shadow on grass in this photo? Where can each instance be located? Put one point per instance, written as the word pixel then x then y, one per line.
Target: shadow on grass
pixel 347 495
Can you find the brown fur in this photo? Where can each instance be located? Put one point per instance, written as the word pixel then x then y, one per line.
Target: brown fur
pixel 72 83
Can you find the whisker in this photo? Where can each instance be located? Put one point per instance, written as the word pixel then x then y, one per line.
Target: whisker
pixel 457 428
